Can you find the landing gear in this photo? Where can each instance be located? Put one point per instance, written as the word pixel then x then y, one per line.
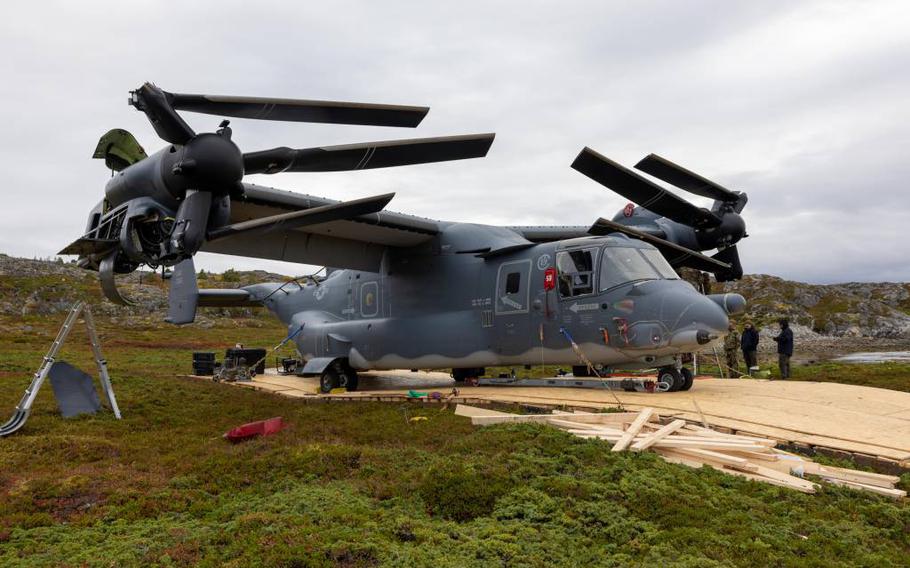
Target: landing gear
pixel 338 375
pixel 581 371
pixel 669 379
pixel 688 378
pixel 468 376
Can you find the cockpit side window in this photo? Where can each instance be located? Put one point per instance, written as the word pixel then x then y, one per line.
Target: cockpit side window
pixel 620 265
pixel 658 261
pixel 576 272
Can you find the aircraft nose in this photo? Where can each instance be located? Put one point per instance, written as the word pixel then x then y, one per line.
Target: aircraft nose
pixel 676 315
pixel 710 317
pixel 702 322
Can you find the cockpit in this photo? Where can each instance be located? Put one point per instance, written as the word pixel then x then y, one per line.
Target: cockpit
pixel 619 264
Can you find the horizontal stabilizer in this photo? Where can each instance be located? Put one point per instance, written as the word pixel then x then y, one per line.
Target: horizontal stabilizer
pixel 226 298
pixel 85 246
pixel 675 254
pixel 295 219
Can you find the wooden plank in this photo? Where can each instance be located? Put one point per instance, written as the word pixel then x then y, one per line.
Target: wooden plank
pixel 771 480
pixel 589 418
pixel 660 434
pixel 709 456
pixel 613 418
pixel 671 442
pixel 679 459
pixel 633 430
pixel 761 455
pixel 771 473
pixel 854 476
pixel 888 492
pixel 691 461
pixel 471 411
pixel 566 425
pixel 707 432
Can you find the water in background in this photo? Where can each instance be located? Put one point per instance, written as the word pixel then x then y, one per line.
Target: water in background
pixel 876 357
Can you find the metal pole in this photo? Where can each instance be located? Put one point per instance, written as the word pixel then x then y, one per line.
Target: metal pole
pixel 100 361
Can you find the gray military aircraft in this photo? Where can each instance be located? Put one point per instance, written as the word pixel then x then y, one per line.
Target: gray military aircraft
pixel 405 292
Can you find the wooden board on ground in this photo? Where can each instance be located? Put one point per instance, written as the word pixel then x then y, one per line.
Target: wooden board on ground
pixel 798 412
pixel 745 456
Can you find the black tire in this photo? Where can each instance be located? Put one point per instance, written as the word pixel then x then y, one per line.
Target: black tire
pixel 580 371
pixel 688 379
pixel 329 380
pixel 671 377
pixel 467 376
pixel 352 379
pixel 339 374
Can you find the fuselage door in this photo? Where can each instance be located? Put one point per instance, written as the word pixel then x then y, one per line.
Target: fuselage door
pixel 577 285
pixel 511 305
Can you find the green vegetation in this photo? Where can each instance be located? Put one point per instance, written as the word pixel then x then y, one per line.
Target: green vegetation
pixel 360 485
pixel 894 376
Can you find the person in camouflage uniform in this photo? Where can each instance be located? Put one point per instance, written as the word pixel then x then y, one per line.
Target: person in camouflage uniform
pixel 731 350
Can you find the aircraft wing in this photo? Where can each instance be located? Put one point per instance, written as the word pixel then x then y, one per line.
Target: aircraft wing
pixel 547 233
pixel 356 243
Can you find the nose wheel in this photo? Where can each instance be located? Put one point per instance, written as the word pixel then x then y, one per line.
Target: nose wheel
pixel 688 378
pixel 671 379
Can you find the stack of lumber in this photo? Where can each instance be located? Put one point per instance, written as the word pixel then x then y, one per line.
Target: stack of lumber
pixel 678 442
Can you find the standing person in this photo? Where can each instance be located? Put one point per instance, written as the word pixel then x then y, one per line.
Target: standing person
pixel 749 344
pixel 784 348
pixel 731 347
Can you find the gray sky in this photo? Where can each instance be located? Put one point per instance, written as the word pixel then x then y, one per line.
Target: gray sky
pixel 803 105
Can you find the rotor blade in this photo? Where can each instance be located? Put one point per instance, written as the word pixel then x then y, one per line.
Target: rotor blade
pixel 299 110
pixel 183 294
pixel 675 254
pixel 158 108
pixel 638 189
pixel 84 246
pixel 108 284
pixel 730 255
pixel 191 222
pixel 664 169
pixel 295 219
pixel 369 155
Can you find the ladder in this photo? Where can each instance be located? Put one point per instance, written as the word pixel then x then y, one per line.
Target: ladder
pixel 25 404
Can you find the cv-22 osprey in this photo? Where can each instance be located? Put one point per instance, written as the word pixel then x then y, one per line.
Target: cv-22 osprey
pixel 405 292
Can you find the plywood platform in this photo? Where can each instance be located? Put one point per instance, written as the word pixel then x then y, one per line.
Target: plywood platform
pixel 863 421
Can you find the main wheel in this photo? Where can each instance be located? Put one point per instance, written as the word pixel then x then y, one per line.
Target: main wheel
pixel 468 376
pixel 352 380
pixel 671 377
pixel 687 377
pixel 580 371
pixel 329 380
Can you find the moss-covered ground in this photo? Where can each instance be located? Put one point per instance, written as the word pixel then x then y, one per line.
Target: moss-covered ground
pixel 361 485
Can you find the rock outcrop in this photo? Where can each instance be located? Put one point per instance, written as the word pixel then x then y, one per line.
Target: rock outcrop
pixel 854 309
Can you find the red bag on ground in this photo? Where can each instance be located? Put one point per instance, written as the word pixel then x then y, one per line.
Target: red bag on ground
pixel 253 429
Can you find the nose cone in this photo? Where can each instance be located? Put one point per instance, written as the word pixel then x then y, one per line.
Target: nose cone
pixel 671 313
pixel 706 315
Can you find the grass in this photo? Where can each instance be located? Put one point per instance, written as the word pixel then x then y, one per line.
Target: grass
pixel 359 485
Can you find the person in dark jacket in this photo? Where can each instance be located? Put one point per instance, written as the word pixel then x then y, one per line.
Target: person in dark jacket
pixel 784 348
pixel 749 345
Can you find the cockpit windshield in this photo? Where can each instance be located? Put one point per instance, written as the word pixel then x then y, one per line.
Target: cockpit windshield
pixel 619 265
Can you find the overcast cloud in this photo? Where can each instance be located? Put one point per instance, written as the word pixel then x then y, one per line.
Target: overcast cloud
pixel 803 105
